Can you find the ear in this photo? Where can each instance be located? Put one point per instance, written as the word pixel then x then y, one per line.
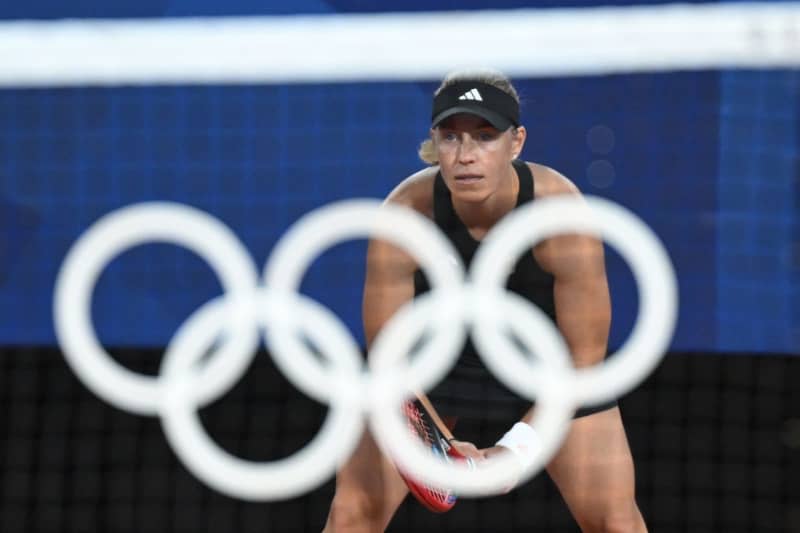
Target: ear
pixel 518 141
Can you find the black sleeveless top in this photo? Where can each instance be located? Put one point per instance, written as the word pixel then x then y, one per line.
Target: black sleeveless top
pixel 470 382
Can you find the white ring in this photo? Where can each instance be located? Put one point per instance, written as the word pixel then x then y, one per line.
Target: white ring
pixel 347 220
pixel 112 235
pixel 655 279
pixel 283 478
pixel 554 403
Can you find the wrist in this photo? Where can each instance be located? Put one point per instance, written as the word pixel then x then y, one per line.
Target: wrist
pixel 523 441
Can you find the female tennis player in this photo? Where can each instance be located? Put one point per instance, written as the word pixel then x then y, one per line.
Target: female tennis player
pixel 474 179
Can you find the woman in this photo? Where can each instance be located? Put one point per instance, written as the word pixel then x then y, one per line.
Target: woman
pixel 474 180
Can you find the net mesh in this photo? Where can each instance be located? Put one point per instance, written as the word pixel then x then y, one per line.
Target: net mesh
pixel 709 434
pixel 757 222
pixel 688 152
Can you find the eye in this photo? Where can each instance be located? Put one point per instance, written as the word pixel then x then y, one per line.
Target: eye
pixel 487 135
pixel 449 136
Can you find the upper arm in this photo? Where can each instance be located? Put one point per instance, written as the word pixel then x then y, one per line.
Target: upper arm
pixel 580 287
pixel 389 281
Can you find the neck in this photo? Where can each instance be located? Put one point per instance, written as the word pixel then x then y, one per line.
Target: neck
pixel 480 216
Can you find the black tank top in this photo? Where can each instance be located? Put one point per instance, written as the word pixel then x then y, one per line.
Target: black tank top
pixel 470 389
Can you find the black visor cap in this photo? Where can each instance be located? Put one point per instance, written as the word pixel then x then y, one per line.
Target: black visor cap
pixel 495 106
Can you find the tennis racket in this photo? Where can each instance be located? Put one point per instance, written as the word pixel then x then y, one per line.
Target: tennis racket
pixel 426 424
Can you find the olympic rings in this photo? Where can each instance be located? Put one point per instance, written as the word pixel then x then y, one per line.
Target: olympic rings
pixel 286 318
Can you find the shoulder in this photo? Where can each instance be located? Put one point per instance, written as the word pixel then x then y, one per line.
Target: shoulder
pixel 416 191
pixel 550 182
pixel 565 255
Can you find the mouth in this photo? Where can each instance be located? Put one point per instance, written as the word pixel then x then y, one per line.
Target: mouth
pixel 468 178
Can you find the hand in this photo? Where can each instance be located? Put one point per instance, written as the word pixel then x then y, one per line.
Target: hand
pixel 494 451
pixel 467 449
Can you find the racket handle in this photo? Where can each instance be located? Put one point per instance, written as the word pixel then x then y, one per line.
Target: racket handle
pixel 440 425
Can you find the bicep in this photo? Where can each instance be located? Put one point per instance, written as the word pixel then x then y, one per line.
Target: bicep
pixel 389 283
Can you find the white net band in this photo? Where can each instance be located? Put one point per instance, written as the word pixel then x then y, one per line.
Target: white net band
pixel 418 46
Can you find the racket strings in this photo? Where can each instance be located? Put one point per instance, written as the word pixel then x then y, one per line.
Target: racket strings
pixel 423 429
pixel 419 425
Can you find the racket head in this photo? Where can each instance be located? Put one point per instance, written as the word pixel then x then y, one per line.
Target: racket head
pixel 420 423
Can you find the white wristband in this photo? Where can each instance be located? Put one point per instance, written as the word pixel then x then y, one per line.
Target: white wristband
pixel 523 441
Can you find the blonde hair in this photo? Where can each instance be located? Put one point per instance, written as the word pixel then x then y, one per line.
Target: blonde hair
pixel 427 148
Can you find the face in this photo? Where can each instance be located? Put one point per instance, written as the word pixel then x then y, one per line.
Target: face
pixel 474 157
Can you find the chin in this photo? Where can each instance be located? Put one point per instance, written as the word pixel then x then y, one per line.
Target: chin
pixel 469 195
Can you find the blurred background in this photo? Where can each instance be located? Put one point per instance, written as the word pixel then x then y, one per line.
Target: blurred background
pixel 710 159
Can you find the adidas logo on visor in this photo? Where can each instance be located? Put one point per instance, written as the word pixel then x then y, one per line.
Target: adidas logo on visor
pixel 472 94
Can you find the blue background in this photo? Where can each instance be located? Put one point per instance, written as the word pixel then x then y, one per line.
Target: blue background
pixel 708 159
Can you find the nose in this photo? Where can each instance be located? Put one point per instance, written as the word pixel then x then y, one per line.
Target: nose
pixel 466 152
